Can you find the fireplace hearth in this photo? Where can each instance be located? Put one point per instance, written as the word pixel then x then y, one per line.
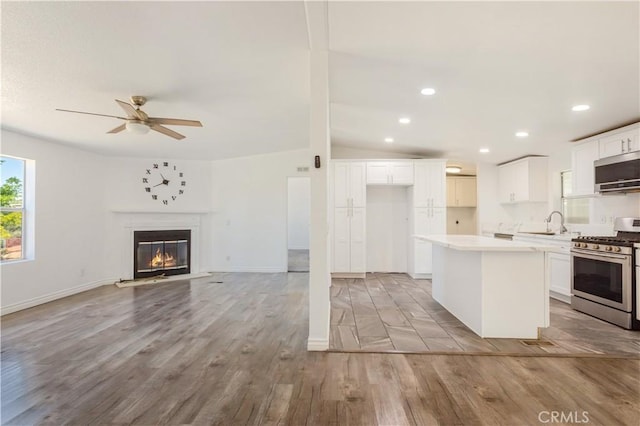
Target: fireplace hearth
pixel 161 253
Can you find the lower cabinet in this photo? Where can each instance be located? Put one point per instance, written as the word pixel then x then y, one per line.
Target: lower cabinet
pixel 349 243
pixel 559 270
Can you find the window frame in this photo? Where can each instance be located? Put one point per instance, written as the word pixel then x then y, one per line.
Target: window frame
pixel 23 210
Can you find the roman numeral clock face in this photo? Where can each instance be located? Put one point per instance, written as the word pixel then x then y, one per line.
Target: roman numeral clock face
pixel 164 182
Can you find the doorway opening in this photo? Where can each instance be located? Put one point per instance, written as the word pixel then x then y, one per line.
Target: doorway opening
pixel 298 214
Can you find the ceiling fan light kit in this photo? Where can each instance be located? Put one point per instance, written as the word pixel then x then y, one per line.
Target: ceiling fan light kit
pixel 137 127
pixel 138 122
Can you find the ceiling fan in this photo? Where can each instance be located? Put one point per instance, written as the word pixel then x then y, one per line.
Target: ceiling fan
pixel 137 121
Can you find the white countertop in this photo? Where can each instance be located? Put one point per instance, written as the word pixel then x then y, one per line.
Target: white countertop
pixel 479 243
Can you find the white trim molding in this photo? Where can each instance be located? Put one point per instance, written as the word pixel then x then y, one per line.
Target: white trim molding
pixel 54 296
pixel 317 345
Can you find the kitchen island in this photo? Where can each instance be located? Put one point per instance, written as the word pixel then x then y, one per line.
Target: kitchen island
pixel 496 287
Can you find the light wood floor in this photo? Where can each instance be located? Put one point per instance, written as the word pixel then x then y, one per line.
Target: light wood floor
pixel 392 312
pixel 233 353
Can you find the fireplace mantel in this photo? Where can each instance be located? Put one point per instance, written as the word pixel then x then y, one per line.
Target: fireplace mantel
pixel 129 221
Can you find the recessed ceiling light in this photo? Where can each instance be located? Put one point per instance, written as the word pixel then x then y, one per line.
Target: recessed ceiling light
pixel 404 120
pixel 522 134
pixel 388 140
pixel 428 91
pixel 580 107
pixel 484 150
pixel 453 169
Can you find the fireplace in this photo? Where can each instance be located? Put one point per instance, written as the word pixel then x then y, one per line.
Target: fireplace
pixel 161 253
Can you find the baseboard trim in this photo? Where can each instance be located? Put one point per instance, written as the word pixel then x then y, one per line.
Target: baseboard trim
pixel 317 345
pixel 348 275
pixel 421 276
pixel 4 310
pixel 559 296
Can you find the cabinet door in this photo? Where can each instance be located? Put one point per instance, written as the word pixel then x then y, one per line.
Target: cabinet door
pixel 421 194
pixel 378 173
pixel 505 183
pixel 559 273
pixel 357 232
pixel 437 185
pixel 582 158
pixel 401 172
pixel 341 184
pixel 357 184
pixel 438 221
pixel 421 217
pixel 520 178
pixel 341 240
pixel 466 192
pixel 633 142
pixel 451 192
pixel 613 145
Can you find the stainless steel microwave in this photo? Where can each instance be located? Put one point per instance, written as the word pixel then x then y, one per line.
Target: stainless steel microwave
pixel 619 173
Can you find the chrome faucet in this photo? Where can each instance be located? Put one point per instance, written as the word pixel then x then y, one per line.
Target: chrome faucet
pixel 562 227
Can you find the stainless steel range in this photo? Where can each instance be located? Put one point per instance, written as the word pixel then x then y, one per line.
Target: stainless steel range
pixel 604 274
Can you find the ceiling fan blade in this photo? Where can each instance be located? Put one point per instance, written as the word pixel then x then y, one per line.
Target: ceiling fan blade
pixel 118 129
pixel 175 121
pixel 165 131
pixel 129 109
pixel 90 113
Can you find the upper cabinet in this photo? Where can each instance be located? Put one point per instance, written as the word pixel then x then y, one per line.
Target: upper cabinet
pixel 620 143
pixel 523 180
pixel 461 191
pixel 429 187
pixel 586 151
pixel 349 187
pixel 582 158
pixel 390 173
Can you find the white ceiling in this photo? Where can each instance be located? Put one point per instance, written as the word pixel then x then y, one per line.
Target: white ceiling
pixel 242 69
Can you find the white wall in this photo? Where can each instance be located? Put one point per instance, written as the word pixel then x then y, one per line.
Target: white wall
pixel 69 224
pixel 130 208
pixel 387 228
pixel 249 220
pixel 298 212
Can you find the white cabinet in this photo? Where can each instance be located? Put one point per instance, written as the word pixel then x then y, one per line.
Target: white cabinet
pixel 427 221
pixel 429 187
pixel 559 270
pixel 582 158
pixel 390 173
pixel 619 143
pixel 349 240
pixel 349 187
pixel 461 191
pixel 523 180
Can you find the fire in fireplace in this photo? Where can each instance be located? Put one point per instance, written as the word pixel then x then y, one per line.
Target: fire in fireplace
pixel 161 252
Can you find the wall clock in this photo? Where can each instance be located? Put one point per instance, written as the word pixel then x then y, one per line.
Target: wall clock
pixel 164 182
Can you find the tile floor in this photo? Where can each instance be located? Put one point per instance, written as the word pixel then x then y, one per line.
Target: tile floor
pixel 394 313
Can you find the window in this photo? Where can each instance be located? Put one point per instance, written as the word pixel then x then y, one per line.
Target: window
pixel 575 210
pixel 12 208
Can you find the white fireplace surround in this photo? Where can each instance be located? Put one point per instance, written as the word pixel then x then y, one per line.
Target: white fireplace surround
pixel 129 222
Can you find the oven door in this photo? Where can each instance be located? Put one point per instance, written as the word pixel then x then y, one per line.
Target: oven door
pixel 602 278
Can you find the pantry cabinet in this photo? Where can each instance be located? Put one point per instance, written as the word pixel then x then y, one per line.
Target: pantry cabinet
pixel 429 188
pixel 523 180
pixel 427 221
pixel 619 143
pixel 390 173
pixel 461 191
pixel 349 187
pixel 349 242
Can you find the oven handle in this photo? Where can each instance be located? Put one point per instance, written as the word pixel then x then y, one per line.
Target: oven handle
pixel 593 255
